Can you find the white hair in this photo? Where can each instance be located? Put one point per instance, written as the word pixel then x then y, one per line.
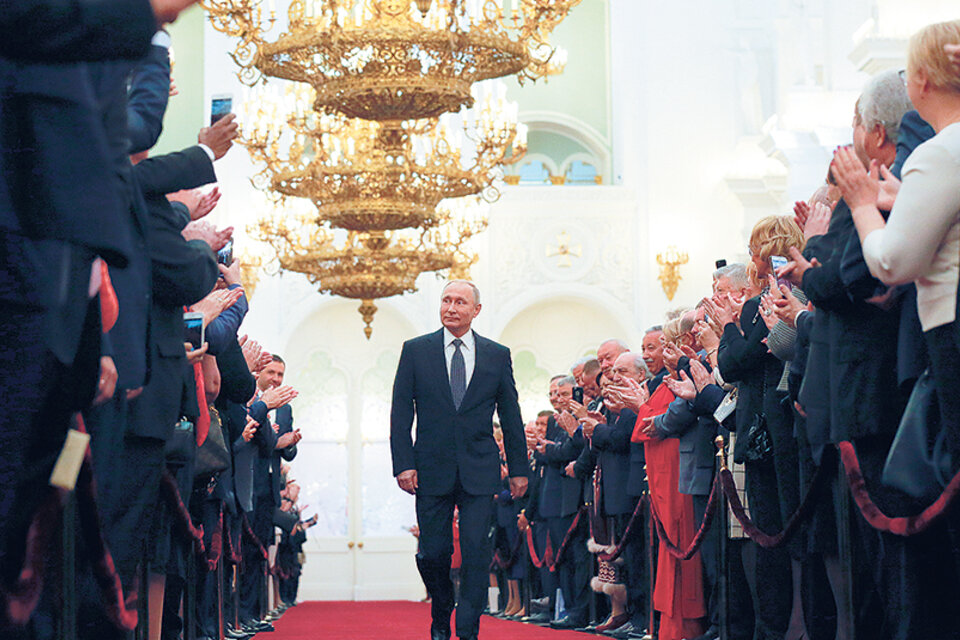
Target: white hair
pixel 884 101
pixel 736 273
pixel 567 381
pixel 476 291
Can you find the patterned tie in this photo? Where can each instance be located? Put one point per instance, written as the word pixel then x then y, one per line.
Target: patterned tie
pixel 458 374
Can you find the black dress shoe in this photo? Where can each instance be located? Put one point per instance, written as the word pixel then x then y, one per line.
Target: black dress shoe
pixel 436 634
pixel 566 622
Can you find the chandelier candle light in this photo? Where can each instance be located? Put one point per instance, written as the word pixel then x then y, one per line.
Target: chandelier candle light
pixel 392 59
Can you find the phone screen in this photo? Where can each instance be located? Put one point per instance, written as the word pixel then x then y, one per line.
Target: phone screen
pixel 219 107
pixel 225 255
pixel 193 329
pixel 776 262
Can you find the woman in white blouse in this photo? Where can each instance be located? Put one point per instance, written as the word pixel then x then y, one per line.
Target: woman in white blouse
pixel 920 241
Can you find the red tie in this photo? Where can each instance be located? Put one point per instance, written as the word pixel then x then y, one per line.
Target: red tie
pixel 203 421
pixel 109 307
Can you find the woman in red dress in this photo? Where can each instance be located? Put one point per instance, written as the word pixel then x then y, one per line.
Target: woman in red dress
pixel 678 594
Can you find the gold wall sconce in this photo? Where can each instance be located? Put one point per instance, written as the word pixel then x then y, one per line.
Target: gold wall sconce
pixel 670 261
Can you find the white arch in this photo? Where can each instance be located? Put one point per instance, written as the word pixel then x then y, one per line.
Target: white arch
pixel 576 129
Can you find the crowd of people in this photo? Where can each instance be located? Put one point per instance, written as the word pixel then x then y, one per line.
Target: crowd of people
pixel 107 265
pixel 841 328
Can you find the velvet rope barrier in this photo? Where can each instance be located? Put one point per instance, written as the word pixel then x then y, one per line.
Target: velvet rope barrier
pixel 249 531
pixel 22 597
pixel 627 532
pixel 233 552
pixel 181 513
pixel 566 540
pixel 514 555
pixel 215 552
pixel 765 540
pixel 121 610
pixel 901 526
pixel 536 560
pixel 691 550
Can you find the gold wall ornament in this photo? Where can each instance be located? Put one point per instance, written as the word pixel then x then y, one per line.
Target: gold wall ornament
pixel 670 261
pixel 364 175
pixel 392 59
pixel 564 250
pixel 370 265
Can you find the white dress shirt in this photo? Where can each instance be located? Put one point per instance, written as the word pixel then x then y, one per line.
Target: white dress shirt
pixel 468 349
pixel 921 241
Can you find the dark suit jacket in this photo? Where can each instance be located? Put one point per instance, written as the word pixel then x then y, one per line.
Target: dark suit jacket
pixel 861 342
pixel 182 273
pixel 636 482
pixel 455 442
pixel 124 118
pixel 612 443
pixel 75 30
pixel 560 495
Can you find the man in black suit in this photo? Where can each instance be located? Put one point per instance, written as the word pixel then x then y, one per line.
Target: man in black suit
pixel 452 380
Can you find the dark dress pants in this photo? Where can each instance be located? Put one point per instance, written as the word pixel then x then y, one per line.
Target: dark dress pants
pixel 574 569
pixel 774 580
pixel 709 555
pixel 435 519
pixel 251 575
pixel 636 557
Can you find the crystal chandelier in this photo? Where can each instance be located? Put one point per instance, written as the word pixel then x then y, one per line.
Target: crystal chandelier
pixel 392 59
pixel 376 264
pixel 376 176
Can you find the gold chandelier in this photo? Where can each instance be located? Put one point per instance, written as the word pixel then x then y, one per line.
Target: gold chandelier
pixel 377 176
pixel 386 59
pixel 376 264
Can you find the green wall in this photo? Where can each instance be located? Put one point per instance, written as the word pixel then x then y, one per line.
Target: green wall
pixel 186 112
pixel 582 90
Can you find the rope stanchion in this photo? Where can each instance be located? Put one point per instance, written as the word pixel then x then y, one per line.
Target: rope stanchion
pixel 182 514
pixel 695 544
pixel 901 526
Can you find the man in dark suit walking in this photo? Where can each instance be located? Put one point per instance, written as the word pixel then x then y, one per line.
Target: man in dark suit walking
pixel 452 380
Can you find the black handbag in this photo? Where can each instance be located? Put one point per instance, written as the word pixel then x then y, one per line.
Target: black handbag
pixel 919 460
pixel 181 445
pixel 213 456
pixel 759 445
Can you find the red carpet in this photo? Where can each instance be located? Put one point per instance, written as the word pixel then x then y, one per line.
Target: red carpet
pixel 391 620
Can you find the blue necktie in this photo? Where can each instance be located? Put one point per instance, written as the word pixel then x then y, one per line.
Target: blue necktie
pixel 458 374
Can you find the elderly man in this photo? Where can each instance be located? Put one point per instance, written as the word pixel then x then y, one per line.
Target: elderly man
pixel 452 380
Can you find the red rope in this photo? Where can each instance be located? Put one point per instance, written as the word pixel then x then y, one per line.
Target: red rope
pixel 233 552
pixel 901 526
pixel 627 533
pixel 766 540
pixel 23 596
pixel 249 531
pixel 691 550
pixel 121 610
pixel 537 561
pixel 182 514
pixel 215 552
pixel 512 560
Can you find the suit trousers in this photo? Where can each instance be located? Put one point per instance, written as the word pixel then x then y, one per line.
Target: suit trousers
pixel 435 519
pixel 636 557
pixel 709 554
pixel 251 577
pixel 574 569
pixel 40 395
pixel 548 579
